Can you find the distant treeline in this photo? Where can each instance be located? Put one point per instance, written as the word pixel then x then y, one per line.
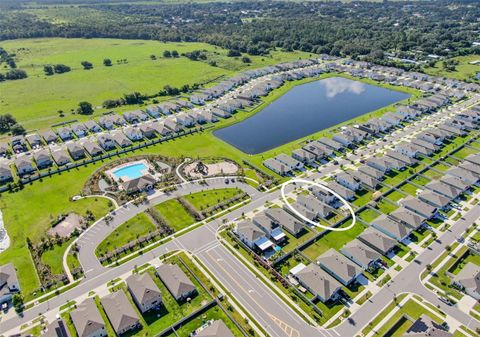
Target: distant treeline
pixel 408 29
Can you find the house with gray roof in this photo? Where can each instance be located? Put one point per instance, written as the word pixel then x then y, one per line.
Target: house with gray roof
pixel 344 192
pixel 172 124
pixel 120 313
pixel 315 206
pixel 140 184
pixel 315 150
pixel 317 281
pixel 92 148
pixel 377 240
pixel 87 320
pixel 79 129
pixel 473 158
pixel 147 130
pixel 390 227
pixel 57 328
pixel 467 176
pixel 120 138
pixel 289 161
pixel 363 255
pixel 424 326
pixel 420 142
pixel 106 141
pixel 277 167
pixel 347 180
pixel 473 168
pixel 9 284
pixel 304 156
pixel 5 172
pixel 24 165
pixel 285 220
pixel 50 136
pixel 144 291
pixel 417 206
pixel 160 128
pixel 408 218
pixel 365 179
pixel 407 149
pixel 217 328
pixel 42 158
pixel 371 172
pixel 133 133
pixel 76 151
pixel 34 140
pixel 455 182
pixel 337 265
pixel 254 237
pixel 299 208
pixel 61 157
pixel 336 146
pixel 434 199
pixel 176 281
pixel 269 227
pixel 444 189
pixel 468 279
pixel 401 157
pixel 65 133
pixel 135 116
pixel 322 194
pixel 92 126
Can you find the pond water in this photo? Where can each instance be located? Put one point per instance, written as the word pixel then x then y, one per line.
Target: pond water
pixel 307 109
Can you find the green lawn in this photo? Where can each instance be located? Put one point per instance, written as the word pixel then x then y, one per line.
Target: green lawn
pixel 433 175
pixel 395 196
pixel 138 226
pixel 206 199
pixel 464 70
pixel 175 215
pixel 363 197
pixel 368 215
pixel 35 101
pixel 470 257
pixel 53 257
pixel 465 152
pixel 409 189
pixel 386 206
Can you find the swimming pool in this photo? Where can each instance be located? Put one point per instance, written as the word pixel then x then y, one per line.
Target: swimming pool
pixel 130 172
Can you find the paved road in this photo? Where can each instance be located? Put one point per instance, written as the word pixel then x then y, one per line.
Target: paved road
pixel 90 240
pixel 408 281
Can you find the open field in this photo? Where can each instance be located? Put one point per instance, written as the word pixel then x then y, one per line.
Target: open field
pixel 175 215
pixel 464 70
pixel 137 226
pixel 35 101
pixel 206 199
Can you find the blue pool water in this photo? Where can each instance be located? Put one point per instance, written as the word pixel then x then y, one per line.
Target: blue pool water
pixel 307 109
pixel 131 171
pixel 277 248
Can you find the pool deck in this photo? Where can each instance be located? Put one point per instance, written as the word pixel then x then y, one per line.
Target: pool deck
pixel 112 175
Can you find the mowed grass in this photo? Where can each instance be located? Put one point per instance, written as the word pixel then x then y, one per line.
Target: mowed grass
pixel 35 101
pixel 206 199
pixel 175 215
pixel 53 257
pixel 132 229
pixel 464 70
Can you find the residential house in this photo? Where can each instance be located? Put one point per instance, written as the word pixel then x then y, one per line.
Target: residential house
pixel 365 179
pixel 455 182
pixel 303 156
pixel 220 113
pixel 8 283
pixel 322 194
pixel 217 328
pixel 122 140
pixel 140 184
pixel 473 158
pixel 133 133
pixel 176 281
pixel 434 199
pixel 277 167
pixel 153 110
pixel 120 313
pixel 382 164
pixel 18 144
pixel 135 117
pixel 423 143
pixel 106 141
pixel 147 130
pixel 407 160
pixel 337 265
pixel 465 175
pixel 377 240
pixel 5 172
pixel 184 119
pixel 144 291
pixel 344 192
pixel 408 218
pixel 65 133
pixel 312 148
pixel 347 181
pixel 92 126
pixel 92 148
pixel 57 328
pixel 160 128
pixel 363 255
pixel 425 326
pixel 336 146
pixel 430 138
pixel 344 138
pixel 42 158
pixel 289 161
pixel 371 172
pixel 314 205
pixel 318 282
pixel 172 124
pixel 111 120
pixel 269 227
pixel 390 227
pixel 50 137
pixel 76 151
pixel 34 140
pixel 407 149
pixel 285 220
pixel 296 208
pixel 253 236
pixel 444 189
pixel 23 165
pixel 79 130
pixel 323 148
pixel 419 207
pixel 87 320
pixel 468 279
pixel 473 168
pixel 61 157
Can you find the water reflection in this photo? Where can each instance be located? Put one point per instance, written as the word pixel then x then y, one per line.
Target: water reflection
pixel 338 85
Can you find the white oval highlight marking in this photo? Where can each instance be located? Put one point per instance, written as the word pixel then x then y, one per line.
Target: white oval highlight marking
pixel 308 182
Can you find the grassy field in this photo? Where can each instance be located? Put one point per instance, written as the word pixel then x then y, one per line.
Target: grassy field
pixel 206 199
pixel 464 70
pixel 175 215
pixel 35 101
pixel 137 226
pixel 53 257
